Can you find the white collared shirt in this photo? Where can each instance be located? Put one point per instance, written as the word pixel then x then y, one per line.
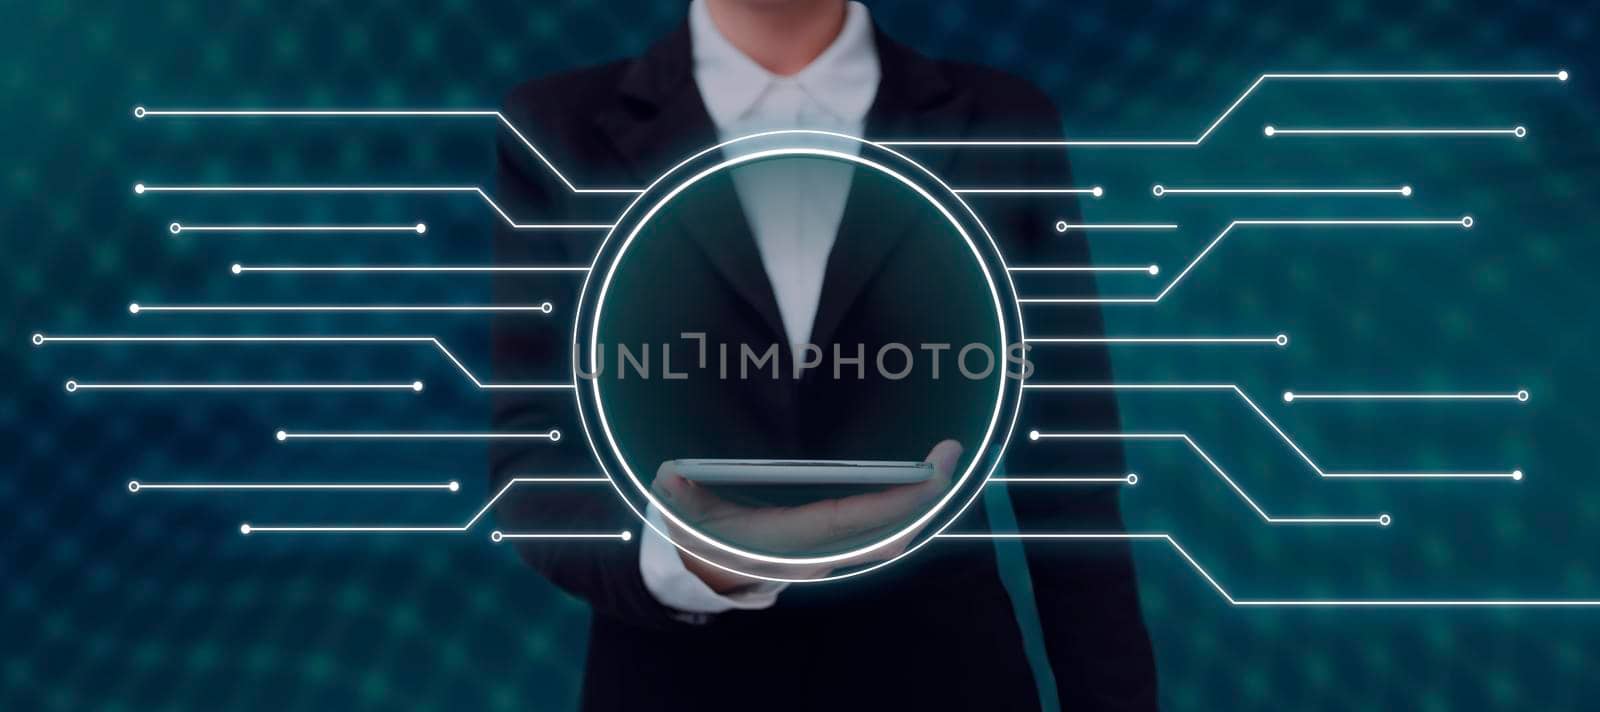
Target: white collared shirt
pixel 793 206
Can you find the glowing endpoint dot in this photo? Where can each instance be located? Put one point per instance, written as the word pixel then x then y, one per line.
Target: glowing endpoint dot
pixel 1516 475
pixel 555 435
pixel 422 228
pixel 282 436
pixel 1384 520
pixel 1097 191
pixel 133 308
pixel 1033 435
pixel 1520 131
pixel 1405 190
pixel 626 536
pixel 133 485
pixel 1282 340
pixel 1288 396
pixel 1466 221
pixel 72 386
pixel 1155 269
pixel 138 111
pixel 1133 479
pixel 138 188
pixel 416 386
pixel 38 339
pixel 1158 190
pixel 455 486
pixel 1522 396
pixel 175 228
pixel 1061 226
pixel 236 269
pixel 244 528
pixel 496 536
pixel 1270 130
pixel 547 307
pixel 1562 75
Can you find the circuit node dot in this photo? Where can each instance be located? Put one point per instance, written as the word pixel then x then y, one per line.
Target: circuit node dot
pixel 1270 131
pixel 1033 435
pixel 1061 226
pixel 1288 396
pixel 133 485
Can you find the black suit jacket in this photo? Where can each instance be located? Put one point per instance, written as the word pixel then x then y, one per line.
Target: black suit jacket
pixel 933 631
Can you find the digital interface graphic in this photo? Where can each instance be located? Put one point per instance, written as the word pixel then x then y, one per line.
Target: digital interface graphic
pixel 1039 433
pixel 1348 313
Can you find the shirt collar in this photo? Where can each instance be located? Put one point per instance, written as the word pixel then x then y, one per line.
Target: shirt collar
pixel 843 80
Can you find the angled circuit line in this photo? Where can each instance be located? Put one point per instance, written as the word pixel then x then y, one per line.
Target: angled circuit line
pixel 1236 390
pixel 1560 76
pixel 139 112
pixel 247 528
pixel 1381 520
pixel 1464 222
pixel 1284 603
pixel 41 339
pixel 143 189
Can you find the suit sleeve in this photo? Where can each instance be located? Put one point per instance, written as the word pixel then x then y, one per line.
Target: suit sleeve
pixel 1086 592
pixel 529 350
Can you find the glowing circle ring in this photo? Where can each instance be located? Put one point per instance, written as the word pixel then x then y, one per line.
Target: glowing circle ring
pixel 650 201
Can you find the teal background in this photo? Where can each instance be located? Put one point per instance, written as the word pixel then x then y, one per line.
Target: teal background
pixel 152 601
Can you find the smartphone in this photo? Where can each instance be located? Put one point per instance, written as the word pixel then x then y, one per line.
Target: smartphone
pixel 803 472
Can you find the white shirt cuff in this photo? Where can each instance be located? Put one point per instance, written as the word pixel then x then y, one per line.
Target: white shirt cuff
pixel 675 587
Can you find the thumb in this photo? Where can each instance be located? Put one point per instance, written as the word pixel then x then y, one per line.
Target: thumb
pixel 944 457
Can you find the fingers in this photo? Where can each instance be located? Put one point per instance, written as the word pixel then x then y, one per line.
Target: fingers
pixel 821 525
pixel 851 516
pixel 688 500
pixel 944 457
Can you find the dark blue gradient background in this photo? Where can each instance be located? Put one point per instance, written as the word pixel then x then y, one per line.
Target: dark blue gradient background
pixel 153 601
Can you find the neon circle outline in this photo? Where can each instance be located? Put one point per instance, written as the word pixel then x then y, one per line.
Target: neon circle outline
pixel 1007 311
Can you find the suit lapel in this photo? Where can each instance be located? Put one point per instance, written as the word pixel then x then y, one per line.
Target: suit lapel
pixel 914 99
pixel 662 120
